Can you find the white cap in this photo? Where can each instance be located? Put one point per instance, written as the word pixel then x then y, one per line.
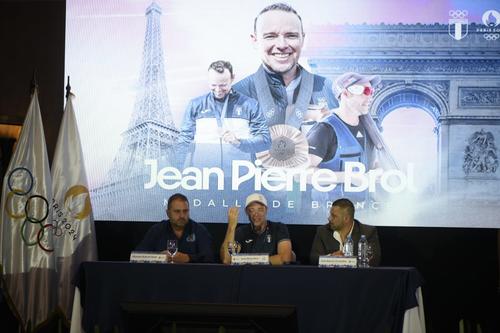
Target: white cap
pixel 256 197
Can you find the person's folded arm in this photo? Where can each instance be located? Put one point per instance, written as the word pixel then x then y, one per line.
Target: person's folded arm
pixel 284 255
pixel 181 258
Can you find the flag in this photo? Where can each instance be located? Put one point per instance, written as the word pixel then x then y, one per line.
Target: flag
pixel 26 243
pixel 74 234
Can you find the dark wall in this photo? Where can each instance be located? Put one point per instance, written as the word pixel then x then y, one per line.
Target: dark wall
pixel 460 266
pixel 32 39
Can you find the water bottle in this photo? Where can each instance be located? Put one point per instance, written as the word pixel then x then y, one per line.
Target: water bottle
pixel 348 247
pixel 362 252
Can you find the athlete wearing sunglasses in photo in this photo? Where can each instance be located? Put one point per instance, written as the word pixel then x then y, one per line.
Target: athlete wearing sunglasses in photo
pixel 341 137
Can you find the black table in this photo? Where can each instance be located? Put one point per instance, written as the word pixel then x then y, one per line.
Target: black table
pixel 326 300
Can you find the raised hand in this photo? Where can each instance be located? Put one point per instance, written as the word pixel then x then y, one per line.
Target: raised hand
pixel 232 217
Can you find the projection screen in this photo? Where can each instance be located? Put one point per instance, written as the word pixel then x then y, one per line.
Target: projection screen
pixel 429 148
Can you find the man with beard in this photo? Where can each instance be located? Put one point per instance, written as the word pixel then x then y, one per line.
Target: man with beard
pixel 193 239
pixel 331 237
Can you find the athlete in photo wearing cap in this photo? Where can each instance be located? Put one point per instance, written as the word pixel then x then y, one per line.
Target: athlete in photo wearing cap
pixel 347 135
pixel 258 236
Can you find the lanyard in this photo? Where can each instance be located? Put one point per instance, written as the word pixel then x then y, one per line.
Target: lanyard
pixel 296 111
pixel 220 117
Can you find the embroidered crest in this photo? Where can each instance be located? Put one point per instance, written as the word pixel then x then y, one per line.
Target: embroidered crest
pixel 268 238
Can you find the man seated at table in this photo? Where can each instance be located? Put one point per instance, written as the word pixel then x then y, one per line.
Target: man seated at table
pixel 330 238
pixel 258 236
pixel 193 240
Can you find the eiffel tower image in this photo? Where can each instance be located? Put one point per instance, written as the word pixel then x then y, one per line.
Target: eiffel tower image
pixel 151 134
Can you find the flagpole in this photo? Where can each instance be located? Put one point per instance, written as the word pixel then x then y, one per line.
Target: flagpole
pixel 61 314
pixel 34 83
pixel 68 89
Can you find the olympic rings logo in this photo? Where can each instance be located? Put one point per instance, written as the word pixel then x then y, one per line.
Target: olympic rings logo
pixel 20 183
pixel 491 36
pixel 458 14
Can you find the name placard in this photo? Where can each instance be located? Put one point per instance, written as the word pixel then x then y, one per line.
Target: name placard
pixel 334 261
pixel 250 259
pixel 150 257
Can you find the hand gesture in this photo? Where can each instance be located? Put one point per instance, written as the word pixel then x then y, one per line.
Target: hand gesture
pixel 232 217
pixel 337 253
pixel 229 137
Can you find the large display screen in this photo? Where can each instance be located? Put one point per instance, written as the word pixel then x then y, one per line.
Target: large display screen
pixel 393 104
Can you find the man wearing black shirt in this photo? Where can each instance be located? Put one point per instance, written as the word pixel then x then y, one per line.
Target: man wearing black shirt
pixel 260 235
pixel 193 239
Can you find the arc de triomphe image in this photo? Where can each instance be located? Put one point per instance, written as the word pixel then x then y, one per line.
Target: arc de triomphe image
pixel 454 81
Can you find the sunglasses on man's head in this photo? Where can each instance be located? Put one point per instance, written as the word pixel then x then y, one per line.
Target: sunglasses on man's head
pixel 358 89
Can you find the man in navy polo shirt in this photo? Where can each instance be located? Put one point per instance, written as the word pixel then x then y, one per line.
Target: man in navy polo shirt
pixel 193 240
pixel 260 235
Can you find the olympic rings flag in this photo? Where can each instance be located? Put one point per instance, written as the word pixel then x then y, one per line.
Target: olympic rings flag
pixel 72 218
pixel 26 242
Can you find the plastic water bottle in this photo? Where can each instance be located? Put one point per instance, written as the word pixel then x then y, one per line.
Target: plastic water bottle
pixel 348 247
pixel 362 252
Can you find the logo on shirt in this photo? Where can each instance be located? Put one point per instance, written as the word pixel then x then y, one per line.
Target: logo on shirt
pixel 359 134
pixel 205 111
pixel 191 238
pixel 248 241
pixel 270 113
pixel 299 114
pixel 238 110
pixel 268 238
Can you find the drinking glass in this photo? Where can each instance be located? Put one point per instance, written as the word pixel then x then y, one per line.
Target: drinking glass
pixel 233 247
pixel 172 248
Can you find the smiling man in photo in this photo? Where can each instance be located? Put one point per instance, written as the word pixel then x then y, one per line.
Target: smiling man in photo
pixel 287 93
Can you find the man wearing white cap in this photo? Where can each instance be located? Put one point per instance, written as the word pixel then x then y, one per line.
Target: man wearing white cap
pixel 342 136
pixel 260 235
